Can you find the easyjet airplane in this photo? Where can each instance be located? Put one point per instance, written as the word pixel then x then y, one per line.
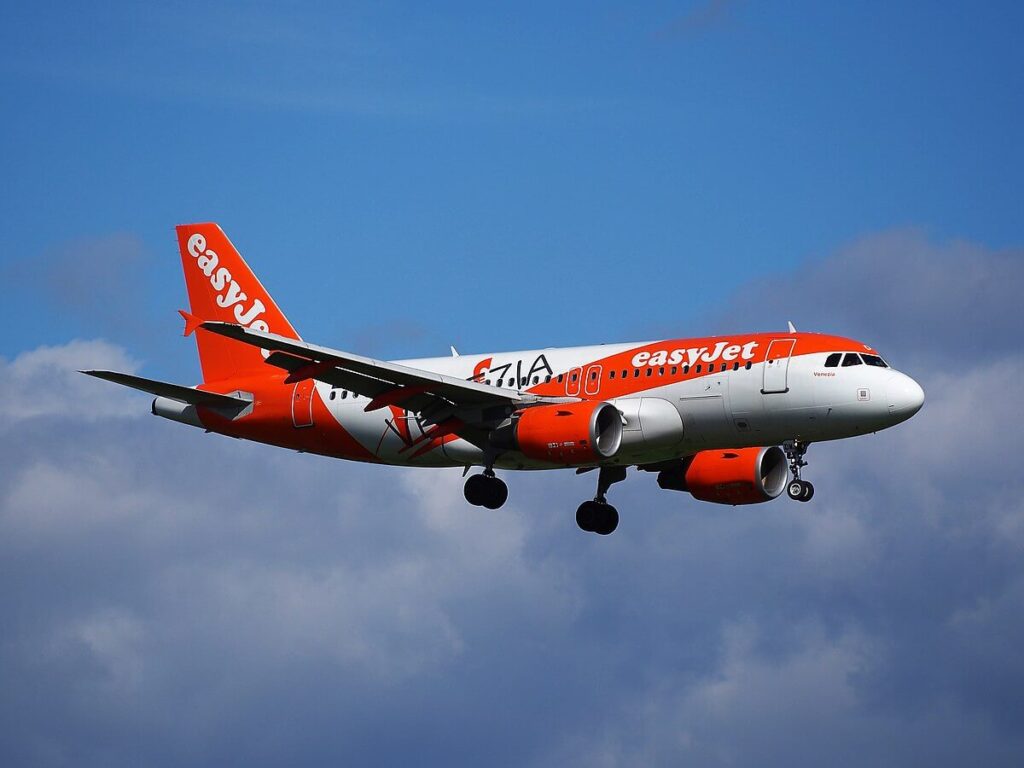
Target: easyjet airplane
pixel 707 415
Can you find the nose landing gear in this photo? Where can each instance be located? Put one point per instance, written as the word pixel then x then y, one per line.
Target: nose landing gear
pixel 798 490
pixel 598 516
pixel 486 490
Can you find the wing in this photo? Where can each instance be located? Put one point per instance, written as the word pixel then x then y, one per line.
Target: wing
pixel 467 408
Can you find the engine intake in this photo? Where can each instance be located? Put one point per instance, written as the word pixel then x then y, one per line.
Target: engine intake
pixel 570 434
pixel 730 476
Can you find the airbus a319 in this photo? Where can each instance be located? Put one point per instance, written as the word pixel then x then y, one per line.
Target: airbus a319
pixel 727 419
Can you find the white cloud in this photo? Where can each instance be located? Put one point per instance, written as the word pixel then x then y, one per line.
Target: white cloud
pixel 113 640
pixel 282 604
pixel 45 382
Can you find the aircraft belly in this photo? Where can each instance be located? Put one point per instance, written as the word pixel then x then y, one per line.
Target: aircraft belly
pixel 389 434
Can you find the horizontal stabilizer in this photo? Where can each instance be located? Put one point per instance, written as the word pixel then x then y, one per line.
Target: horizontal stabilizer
pixel 172 391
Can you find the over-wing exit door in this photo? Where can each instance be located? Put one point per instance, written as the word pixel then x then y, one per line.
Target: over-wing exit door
pixel 302 403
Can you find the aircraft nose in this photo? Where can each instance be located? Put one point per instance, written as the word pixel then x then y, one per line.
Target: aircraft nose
pixel 905 396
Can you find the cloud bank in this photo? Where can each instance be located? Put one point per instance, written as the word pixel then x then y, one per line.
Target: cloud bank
pixel 174 598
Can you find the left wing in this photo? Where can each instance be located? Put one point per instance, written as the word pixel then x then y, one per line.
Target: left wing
pixel 468 408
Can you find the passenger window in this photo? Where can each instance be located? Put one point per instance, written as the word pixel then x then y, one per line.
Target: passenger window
pixel 611 374
pixel 674 370
pixel 735 366
pixel 874 360
pixel 625 373
pixel 575 376
pixel 561 378
pixel 852 358
pixel 333 393
pixel 536 379
pixel 686 369
pixel 487 382
pixel 833 360
pixel 724 366
pixel 547 379
pixel 661 371
pixel 636 373
pixel 747 366
pixel 698 367
pixel 593 375
pixel 650 371
pixel 344 394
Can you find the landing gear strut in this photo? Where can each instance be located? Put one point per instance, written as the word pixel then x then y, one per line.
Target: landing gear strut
pixel 598 516
pixel 798 490
pixel 486 490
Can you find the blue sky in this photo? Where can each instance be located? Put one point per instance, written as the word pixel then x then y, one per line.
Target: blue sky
pixel 446 171
pixel 403 177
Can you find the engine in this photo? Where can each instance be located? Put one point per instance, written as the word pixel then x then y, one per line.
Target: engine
pixel 570 434
pixel 731 476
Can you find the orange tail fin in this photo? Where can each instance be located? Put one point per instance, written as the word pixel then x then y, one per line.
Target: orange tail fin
pixel 222 287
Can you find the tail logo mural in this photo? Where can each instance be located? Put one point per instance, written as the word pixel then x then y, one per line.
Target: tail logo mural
pixel 220 279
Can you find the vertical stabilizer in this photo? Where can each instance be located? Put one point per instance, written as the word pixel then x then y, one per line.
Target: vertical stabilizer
pixel 222 287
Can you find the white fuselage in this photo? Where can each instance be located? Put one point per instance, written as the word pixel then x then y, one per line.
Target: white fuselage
pixel 664 416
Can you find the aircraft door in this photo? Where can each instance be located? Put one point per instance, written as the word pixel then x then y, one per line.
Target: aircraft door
pixel 776 366
pixel 592 380
pixel 302 403
pixel 572 382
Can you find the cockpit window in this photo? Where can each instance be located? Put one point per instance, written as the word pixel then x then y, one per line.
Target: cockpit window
pixel 874 360
pixel 833 360
pixel 852 358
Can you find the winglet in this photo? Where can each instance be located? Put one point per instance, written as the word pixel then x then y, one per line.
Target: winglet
pixel 191 322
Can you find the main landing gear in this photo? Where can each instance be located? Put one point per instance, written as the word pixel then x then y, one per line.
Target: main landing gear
pixel 598 516
pixel 486 490
pixel 798 490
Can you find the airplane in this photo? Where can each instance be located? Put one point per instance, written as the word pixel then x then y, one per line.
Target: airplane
pixel 727 419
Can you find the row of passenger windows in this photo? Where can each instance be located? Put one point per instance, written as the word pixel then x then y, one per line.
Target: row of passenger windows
pixel 673 371
pixel 524 381
pixel 344 394
pixel 853 358
pixel 835 360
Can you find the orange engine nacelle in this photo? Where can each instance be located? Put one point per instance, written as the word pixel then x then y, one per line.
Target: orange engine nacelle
pixel 572 434
pixel 730 476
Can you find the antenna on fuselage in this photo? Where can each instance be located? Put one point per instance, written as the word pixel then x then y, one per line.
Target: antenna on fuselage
pixel 792 329
pixel 455 352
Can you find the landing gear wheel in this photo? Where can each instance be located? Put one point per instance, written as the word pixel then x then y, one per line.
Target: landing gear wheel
pixel 808 491
pixel 800 490
pixel 497 493
pixel 475 490
pixel 486 491
pixel 607 521
pixel 597 517
pixel 795 490
pixel 586 516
